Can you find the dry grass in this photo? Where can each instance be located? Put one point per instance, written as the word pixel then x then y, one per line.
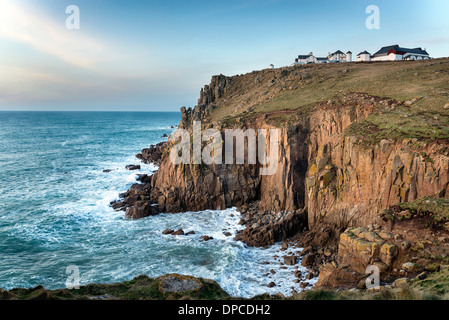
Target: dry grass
pixel 299 89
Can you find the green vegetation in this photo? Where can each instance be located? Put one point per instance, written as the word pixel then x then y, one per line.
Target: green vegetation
pixel 415 291
pixel 398 125
pixel 436 284
pixel 436 209
pixel 434 287
pixel 286 95
pixel 140 288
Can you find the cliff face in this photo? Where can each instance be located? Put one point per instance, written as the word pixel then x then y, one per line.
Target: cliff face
pixel 200 187
pixel 207 102
pixel 349 184
pixel 341 181
pixel 324 163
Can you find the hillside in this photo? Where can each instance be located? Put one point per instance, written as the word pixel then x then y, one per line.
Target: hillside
pixel 287 94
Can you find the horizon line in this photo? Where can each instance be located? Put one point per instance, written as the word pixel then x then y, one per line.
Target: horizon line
pixel 89 111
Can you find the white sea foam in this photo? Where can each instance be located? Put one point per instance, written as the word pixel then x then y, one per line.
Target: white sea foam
pixel 240 270
pixel 72 223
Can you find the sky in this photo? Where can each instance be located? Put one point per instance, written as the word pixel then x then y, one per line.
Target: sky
pixel 149 55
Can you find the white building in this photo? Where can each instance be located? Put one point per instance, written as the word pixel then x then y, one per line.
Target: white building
pixel 271 66
pixel 339 56
pixel 389 53
pixel 364 56
pixel 322 60
pixel 396 53
pixel 306 59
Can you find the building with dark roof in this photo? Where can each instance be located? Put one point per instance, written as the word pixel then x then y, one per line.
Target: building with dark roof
pixel 397 53
pixel 306 59
pixel 364 56
pixel 388 53
pixel 339 56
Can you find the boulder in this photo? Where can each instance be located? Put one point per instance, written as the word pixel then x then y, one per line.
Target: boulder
pixel 175 283
pixel 409 266
pixel 290 260
pixel 206 238
pixel 180 232
pixel 308 260
pixel 153 154
pixel 132 167
pixel 400 283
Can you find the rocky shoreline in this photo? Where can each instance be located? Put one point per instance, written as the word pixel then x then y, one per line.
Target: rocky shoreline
pixel 262 228
pixel 350 190
pixel 338 257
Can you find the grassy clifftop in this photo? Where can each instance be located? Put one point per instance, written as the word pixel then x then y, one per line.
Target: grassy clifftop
pixel 415 95
pixel 139 288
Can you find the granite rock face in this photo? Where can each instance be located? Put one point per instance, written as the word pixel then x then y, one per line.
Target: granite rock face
pixel 321 169
pixel 341 182
pixel 153 154
pixel 348 184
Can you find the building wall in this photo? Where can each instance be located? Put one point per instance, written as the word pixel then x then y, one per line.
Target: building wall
pixel 415 57
pixel 390 57
pixel 363 57
pixel 338 57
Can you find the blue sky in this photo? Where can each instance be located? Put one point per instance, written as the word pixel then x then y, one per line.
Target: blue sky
pixel 156 55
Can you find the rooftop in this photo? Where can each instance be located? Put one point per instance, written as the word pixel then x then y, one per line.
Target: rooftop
pixel 398 49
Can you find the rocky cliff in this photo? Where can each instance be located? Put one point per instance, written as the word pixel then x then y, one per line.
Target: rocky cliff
pixel 348 184
pixel 355 140
pixel 341 181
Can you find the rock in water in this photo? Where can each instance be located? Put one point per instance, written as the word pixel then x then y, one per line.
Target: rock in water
pixel 180 232
pixel 153 154
pixel 290 260
pixel 132 167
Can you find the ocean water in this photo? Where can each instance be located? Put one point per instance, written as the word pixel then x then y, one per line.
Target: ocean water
pixel 55 213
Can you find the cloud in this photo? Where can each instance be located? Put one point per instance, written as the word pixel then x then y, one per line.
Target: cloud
pixel 441 40
pixel 46 35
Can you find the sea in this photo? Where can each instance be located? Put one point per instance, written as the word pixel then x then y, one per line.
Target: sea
pixel 55 212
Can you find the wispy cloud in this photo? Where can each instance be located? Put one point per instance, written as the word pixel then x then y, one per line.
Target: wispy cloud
pixel 441 40
pixel 46 35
